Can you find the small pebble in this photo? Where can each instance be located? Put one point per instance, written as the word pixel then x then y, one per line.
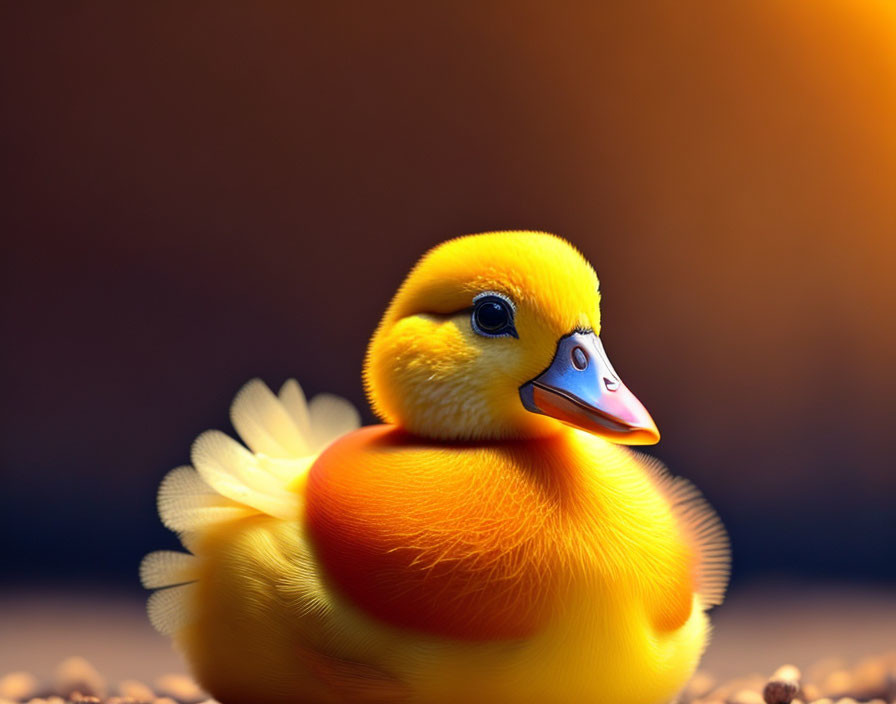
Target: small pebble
pixel 181 688
pixel 77 675
pixel 17 686
pixel 782 686
pixel 84 698
pixel 137 691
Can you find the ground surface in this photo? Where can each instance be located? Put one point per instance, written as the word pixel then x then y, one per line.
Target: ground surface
pixel 758 629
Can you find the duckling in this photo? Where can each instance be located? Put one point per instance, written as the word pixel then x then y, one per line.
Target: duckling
pixel 493 541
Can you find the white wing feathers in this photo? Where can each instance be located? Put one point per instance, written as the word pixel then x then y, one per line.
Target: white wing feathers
pixel 228 482
pixel 265 423
pixel 331 417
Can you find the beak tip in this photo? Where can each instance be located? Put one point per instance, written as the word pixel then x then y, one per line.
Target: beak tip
pixel 645 436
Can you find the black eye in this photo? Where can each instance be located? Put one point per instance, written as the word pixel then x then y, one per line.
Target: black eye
pixel 493 315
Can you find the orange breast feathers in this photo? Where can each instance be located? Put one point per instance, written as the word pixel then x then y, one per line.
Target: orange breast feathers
pixel 464 541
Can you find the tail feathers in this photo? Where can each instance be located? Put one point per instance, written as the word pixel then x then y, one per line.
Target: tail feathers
pixel 284 434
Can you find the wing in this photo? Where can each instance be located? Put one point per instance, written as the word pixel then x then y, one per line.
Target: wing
pixel 230 482
pixel 701 527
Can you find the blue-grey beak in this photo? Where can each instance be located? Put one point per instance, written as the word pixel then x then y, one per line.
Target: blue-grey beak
pixel 581 388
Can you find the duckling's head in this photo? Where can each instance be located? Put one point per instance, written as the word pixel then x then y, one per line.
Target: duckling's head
pixel 495 336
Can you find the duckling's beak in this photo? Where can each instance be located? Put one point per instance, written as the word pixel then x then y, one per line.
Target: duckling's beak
pixel 581 388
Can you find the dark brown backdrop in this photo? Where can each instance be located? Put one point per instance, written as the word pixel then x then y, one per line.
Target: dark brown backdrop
pixel 197 193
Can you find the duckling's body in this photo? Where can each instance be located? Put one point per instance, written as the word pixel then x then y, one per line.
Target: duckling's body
pixel 484 542
pixel 543 565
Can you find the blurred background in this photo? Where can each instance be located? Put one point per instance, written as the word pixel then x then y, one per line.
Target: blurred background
pixel 195 194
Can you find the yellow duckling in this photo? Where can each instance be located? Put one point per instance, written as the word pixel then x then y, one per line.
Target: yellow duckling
pixel 479 547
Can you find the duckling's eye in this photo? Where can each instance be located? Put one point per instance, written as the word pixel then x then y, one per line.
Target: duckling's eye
pixel 493 315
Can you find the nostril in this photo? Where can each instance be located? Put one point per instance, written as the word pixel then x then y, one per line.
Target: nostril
pixel 579 358
pixel 611 384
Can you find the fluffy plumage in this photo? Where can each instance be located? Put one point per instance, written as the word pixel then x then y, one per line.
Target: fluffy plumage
pixel 490 555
